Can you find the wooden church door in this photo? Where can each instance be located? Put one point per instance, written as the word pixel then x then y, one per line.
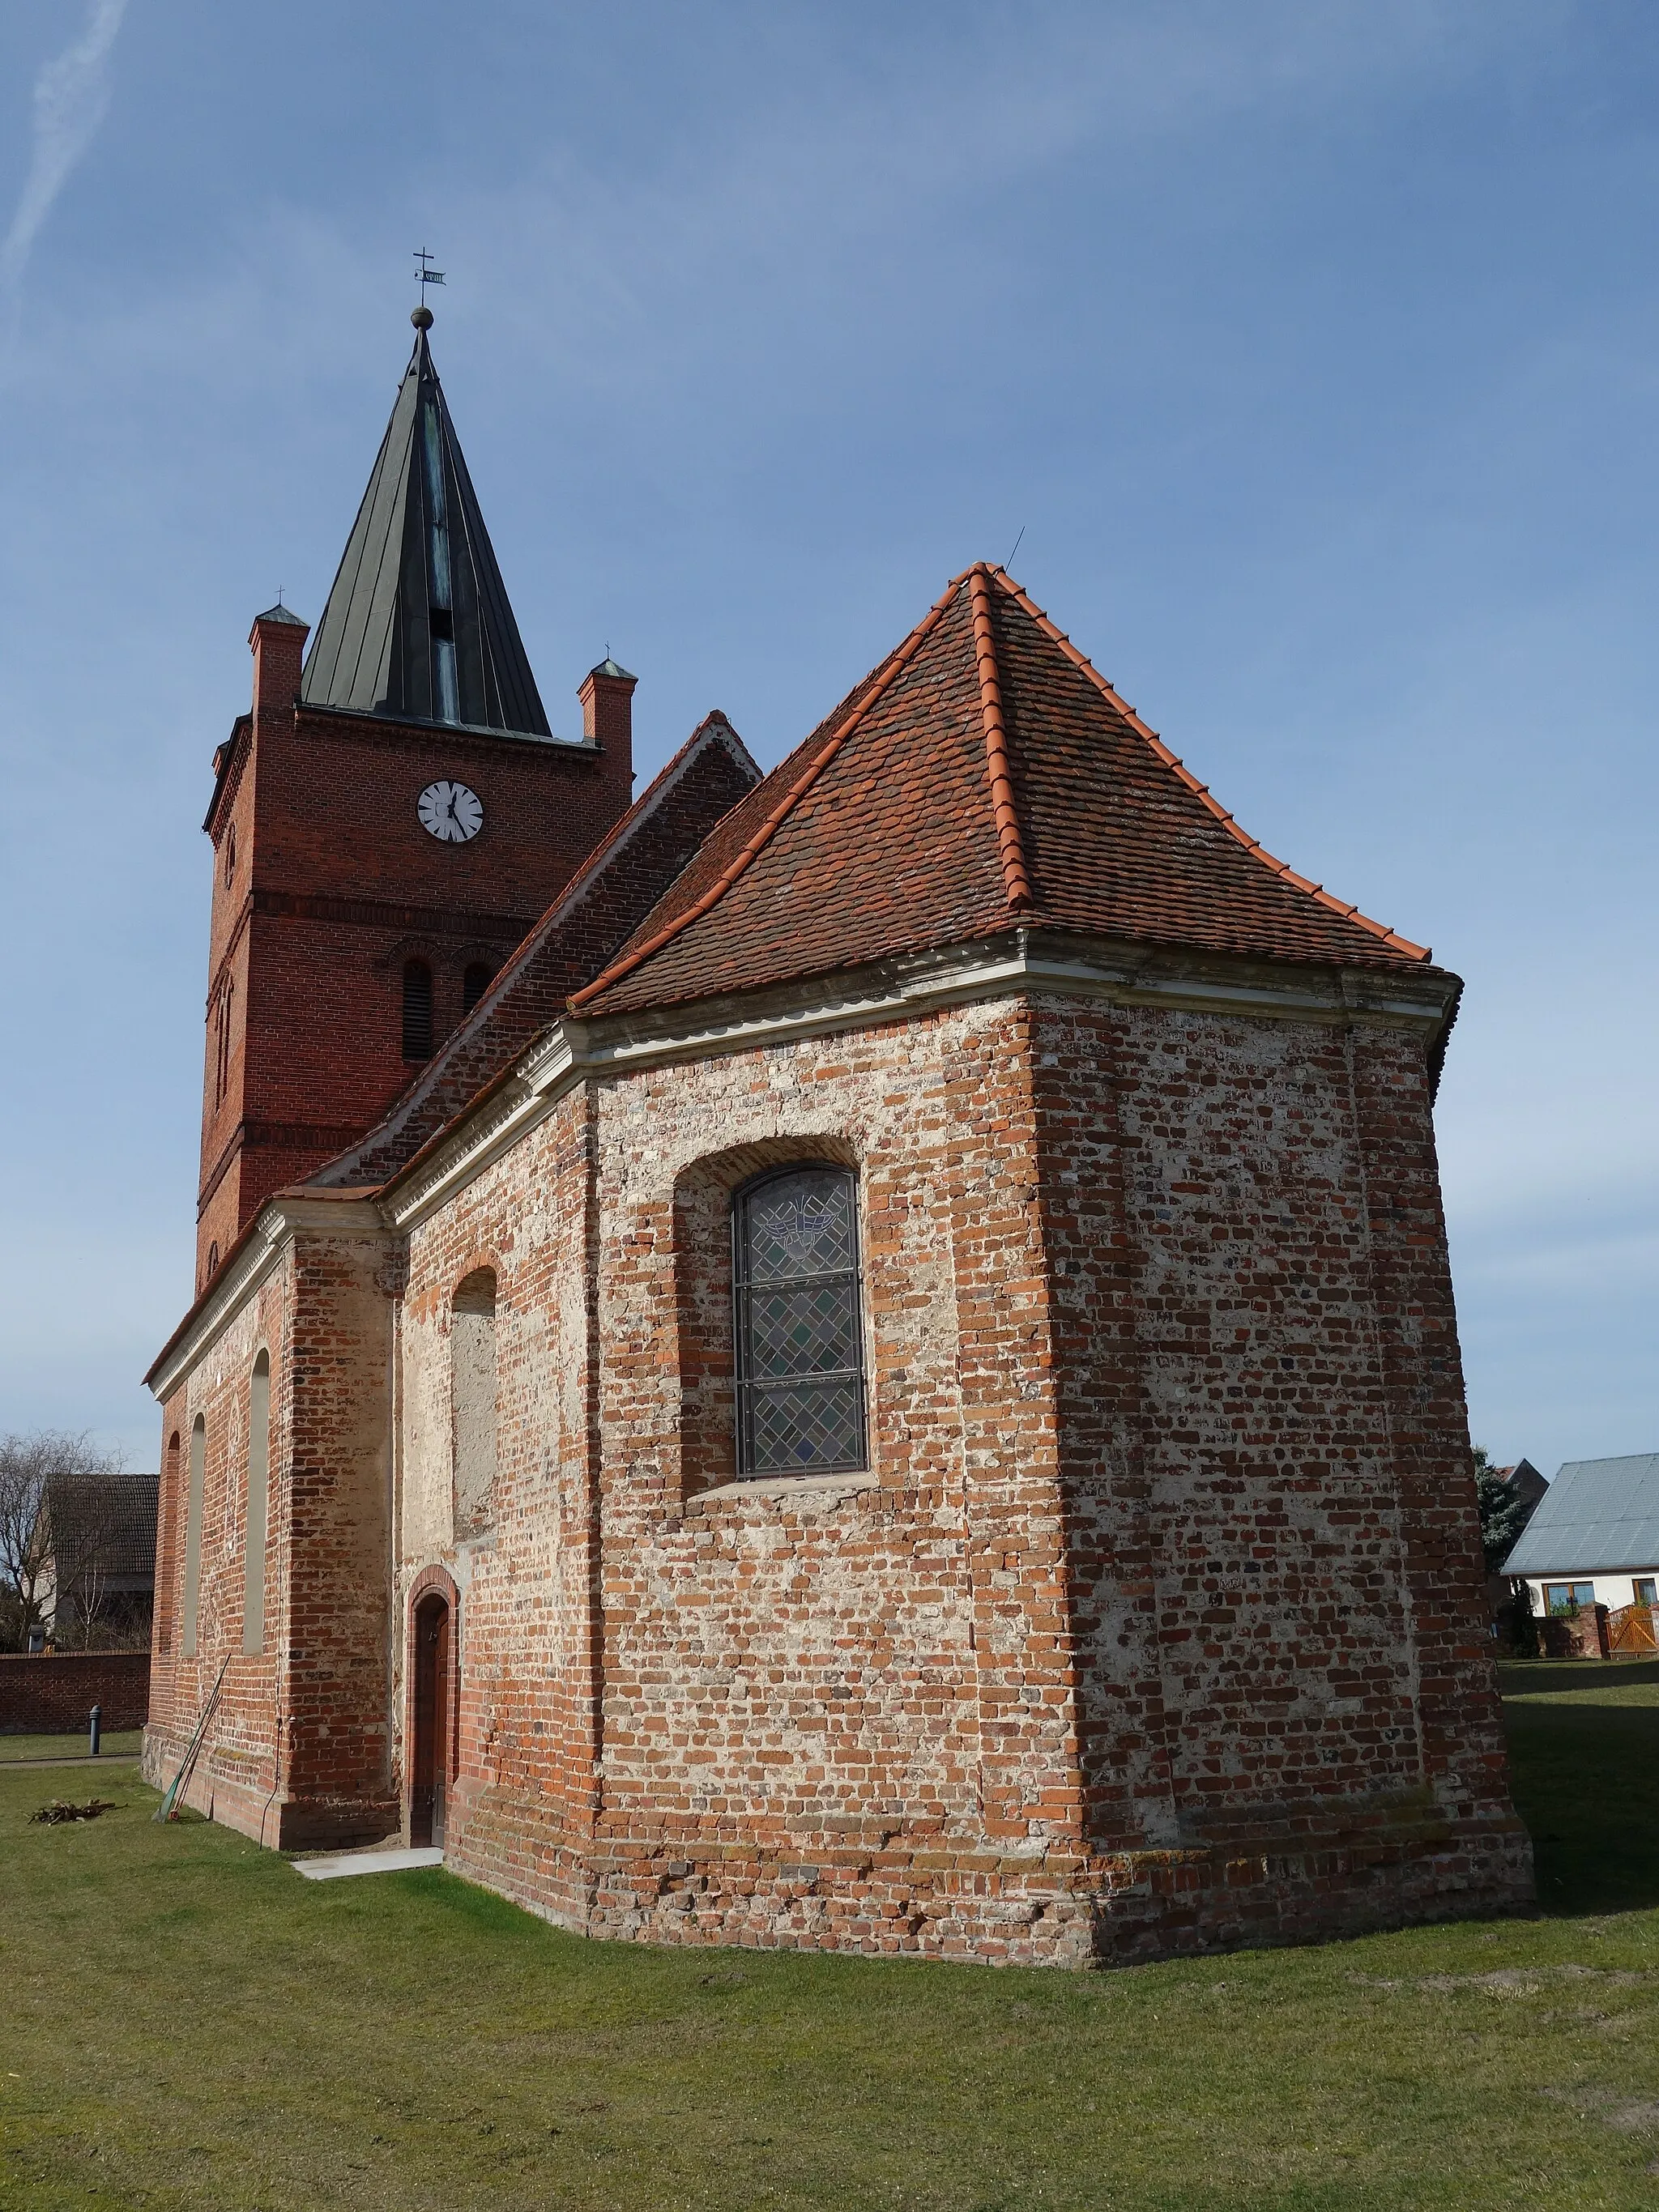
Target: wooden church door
pixel 432 1721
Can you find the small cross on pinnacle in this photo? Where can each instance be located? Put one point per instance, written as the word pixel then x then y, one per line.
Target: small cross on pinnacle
pixel 421 317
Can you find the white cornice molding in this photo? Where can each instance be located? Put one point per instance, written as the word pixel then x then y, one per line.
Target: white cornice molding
pixel 241 1277
pixel 1026 961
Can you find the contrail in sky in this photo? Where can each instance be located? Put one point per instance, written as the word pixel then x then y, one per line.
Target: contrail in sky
pixel 71 97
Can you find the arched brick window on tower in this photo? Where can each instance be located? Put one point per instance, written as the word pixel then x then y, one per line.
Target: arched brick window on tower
pixel 221 1041
pixel 472 1399
pixel 167 1548
pixel 418 1010
pixel 796 1324
pixel 193 1532
pixel 474 981
pixel 258 1492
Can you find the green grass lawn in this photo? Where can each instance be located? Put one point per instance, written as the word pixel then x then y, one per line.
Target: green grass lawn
pixel 187 2023
pixel 116 1742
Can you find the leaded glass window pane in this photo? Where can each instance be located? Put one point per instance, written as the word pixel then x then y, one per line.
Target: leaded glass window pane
pixel 801 1364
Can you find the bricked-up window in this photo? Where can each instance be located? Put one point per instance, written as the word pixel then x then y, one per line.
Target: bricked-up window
pixel 800 1344
pixel 472 1399
pixel 167 1547
pixel 418 1010
pixel 193 1532
pixel 258 1487
pixel 474 983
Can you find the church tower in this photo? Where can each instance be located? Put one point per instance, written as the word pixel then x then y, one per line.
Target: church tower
pixel 388 822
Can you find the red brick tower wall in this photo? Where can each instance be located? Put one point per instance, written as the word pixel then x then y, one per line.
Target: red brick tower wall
pixel 325 883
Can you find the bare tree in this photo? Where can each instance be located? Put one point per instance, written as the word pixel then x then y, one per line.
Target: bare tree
pixel 28 1571
pixel 85 1523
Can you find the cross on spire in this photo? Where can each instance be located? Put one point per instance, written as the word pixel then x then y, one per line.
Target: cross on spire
pixel 428 275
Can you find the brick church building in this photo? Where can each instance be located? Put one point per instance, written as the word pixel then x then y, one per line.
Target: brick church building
pixel 860 1358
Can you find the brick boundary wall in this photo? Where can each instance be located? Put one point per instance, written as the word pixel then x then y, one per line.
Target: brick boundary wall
pixel 51 1693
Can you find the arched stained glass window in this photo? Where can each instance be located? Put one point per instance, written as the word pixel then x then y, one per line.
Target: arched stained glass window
pixel 799 1345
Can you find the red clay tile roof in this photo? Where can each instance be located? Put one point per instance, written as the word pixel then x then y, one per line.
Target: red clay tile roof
pixel 983 773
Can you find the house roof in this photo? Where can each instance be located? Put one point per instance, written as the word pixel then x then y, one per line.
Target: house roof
pixel 418 625
pixel 110 1518
pixel 1524 1480
pixel 1598 1515
pixel 594 914
pixel 983 773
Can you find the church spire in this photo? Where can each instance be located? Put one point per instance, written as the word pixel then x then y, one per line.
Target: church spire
pixel 418 626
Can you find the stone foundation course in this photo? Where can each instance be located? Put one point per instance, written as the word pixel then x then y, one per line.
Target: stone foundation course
pixel 1113 1910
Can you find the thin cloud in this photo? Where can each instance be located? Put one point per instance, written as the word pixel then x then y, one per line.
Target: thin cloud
pixel 71 98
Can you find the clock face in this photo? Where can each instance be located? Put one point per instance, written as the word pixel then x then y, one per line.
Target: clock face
pixel 450 812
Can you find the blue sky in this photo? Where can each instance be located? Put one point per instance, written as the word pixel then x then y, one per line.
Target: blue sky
pixel 1311 345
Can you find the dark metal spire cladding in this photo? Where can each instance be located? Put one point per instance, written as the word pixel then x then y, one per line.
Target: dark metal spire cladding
pixel 417 626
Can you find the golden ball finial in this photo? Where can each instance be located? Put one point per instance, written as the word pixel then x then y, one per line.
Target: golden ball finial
pixel 422 318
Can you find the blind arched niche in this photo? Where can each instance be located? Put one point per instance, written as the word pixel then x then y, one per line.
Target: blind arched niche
pixel 259 1491
pixel 193 1532
pixel 472 1399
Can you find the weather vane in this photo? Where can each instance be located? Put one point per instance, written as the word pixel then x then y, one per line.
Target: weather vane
pixel 421 317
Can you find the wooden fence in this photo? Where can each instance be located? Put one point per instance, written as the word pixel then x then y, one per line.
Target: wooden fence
pixel 1630 1631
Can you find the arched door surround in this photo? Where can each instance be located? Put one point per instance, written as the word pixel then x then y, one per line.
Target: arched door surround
pixel 432 1717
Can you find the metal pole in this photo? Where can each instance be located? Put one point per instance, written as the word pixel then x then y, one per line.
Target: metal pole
pixel 96 1728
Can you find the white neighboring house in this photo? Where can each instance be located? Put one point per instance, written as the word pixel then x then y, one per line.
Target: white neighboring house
pixel 1594 1537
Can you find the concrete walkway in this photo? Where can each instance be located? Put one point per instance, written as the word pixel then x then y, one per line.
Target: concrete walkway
pixel 376 1859
pixel 105 1759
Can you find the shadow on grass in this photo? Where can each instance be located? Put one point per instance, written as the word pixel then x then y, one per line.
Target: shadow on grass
pixel 1545 1678
pixel 1585 1775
